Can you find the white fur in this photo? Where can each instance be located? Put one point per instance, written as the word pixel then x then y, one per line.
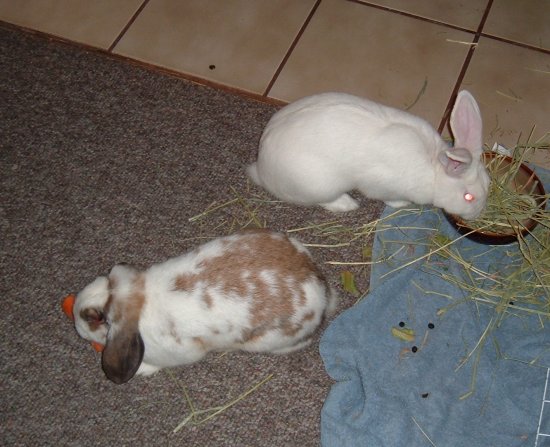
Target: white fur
pixel 317 149
pixel 181 326
pixel 96 294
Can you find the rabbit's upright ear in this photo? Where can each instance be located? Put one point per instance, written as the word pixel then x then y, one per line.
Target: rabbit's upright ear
pixel 123 353
pixel 466 124
pixel 456 161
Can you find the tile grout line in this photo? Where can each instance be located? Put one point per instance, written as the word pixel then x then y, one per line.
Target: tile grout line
pixel 450 25
pixel 128 25
pixel 516 43
pixel 143 65
pixel 291 48
pixel 477 34
pixel 410 15
pixel 465 67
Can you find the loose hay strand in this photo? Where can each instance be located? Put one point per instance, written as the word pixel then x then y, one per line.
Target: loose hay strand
pixel 194 415
pixel 212 209
pixel 423 432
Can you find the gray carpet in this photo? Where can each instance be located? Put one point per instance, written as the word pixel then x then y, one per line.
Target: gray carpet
pixel 103 161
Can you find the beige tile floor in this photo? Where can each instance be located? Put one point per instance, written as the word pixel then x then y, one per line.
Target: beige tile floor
pixel 408 54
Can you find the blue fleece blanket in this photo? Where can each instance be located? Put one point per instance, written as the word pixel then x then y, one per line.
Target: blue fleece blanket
pixel 416 363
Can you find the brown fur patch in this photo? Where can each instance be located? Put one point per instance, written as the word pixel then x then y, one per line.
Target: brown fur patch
pixel 201 343
pixel 292 329
pixel 258 251
pixel 172 332
pixel 251 335
pixel 126 310
pixel 185 281
pixel 208 300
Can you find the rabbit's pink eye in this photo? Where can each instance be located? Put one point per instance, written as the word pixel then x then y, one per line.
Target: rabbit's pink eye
pixel 468 197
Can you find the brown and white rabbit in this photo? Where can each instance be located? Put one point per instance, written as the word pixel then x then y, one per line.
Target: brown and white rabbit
pixel 317 149
pixel 256 290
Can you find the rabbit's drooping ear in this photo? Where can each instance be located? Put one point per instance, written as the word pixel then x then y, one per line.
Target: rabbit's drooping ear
pixel 123 354
pixel 466 123
pixel 124 348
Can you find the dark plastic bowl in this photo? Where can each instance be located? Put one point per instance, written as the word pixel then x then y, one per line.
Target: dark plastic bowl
pixel 522 182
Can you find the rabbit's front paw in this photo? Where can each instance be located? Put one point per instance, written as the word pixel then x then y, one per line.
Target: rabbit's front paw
pixel 341 204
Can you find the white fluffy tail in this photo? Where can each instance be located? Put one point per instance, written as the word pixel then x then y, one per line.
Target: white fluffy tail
pixel 252 171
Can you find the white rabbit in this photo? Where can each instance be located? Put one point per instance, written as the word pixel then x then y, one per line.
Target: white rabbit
pixel 317 149
pixel 256 290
